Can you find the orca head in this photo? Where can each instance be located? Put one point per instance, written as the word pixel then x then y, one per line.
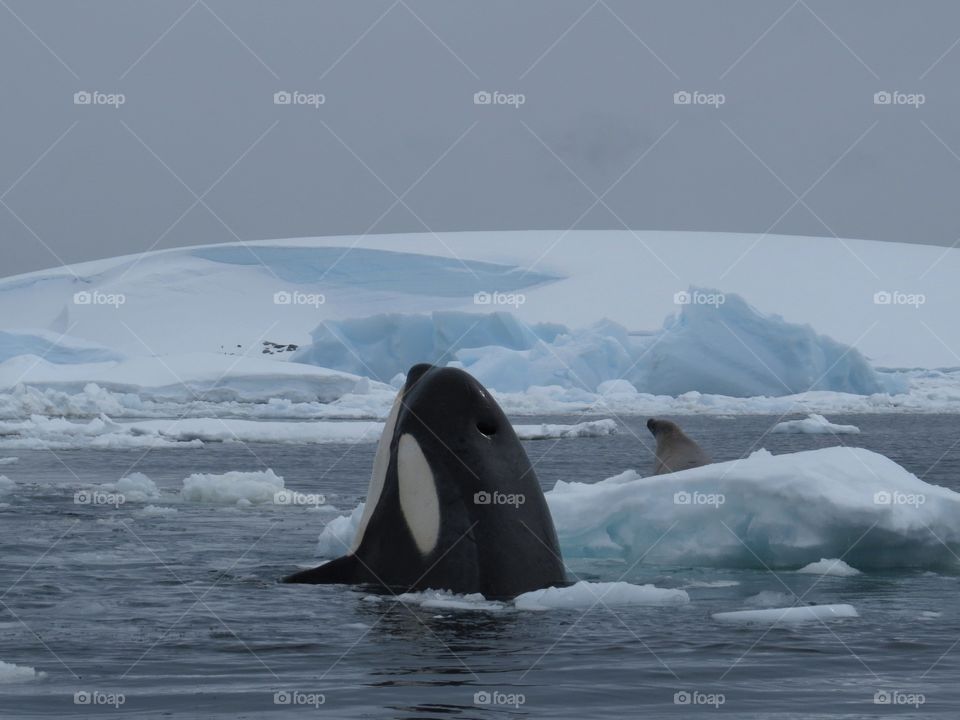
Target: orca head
pixel 454 502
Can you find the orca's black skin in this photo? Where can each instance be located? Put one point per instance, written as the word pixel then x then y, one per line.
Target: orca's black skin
pixel 497 549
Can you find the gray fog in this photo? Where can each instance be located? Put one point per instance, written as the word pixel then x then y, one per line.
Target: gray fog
pixel 135 126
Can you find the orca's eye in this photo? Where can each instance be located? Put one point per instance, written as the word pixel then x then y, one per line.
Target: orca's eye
pixel 487 428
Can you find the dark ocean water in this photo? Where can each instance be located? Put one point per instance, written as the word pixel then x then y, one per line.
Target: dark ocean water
pixel 181 615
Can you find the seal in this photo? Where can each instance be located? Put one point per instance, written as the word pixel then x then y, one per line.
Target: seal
pixel 675 451
pixel 453 501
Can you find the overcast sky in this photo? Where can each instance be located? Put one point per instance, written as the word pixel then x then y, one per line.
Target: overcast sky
pixel 784 137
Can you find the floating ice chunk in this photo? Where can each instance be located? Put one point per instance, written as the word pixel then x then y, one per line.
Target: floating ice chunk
pixel 776 511
pixel 158 510
pixel 6 484
pixel 235 488
pixel 446 600
pixel 593 428
pixel 814 424
pixel 788 615
pixel 337 537
pixel 11 673
pixel 8 460
pixel 711 584
pixel 585 594
pixel 137 487
pixel 827 566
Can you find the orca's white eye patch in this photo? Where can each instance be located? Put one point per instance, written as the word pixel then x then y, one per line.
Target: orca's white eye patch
pixel 418 494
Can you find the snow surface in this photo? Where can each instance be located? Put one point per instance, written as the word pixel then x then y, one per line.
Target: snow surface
pixel 814 424
pixel 764 511
pixel 828 566
pixel 557 320
pixel 788 615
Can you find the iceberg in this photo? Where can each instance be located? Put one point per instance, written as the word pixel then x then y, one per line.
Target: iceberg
pixel 726 348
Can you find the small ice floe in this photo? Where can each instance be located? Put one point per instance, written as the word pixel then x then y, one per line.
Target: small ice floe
pixel 8 460
pixel 583 595
pixel 814 424
pixel 11 673
pixel 829 566
pixel 593 428
pixel 711 584
pixel 446 600
pixel 232 488
pixel 787 615
pixel 158 511
pixel 6 484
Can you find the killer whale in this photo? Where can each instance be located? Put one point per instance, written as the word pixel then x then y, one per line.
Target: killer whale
pixel 453 502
